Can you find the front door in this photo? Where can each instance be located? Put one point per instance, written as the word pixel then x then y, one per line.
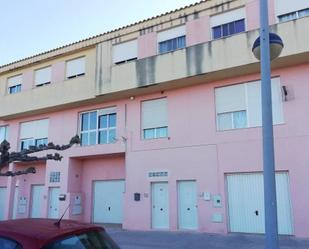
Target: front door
pixel 160 210
pixel 187 205
pixel 53 204
pixel 2 202
pixel 246 203
pixel 108 201
pixel 36 201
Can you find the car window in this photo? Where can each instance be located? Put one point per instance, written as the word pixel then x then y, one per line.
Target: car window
pixel 9 244
pixel 89 240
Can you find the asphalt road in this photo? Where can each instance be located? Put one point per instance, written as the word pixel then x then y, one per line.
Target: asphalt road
pixel 192 240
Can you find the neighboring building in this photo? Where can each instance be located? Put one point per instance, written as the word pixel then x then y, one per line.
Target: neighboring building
pixel 168 111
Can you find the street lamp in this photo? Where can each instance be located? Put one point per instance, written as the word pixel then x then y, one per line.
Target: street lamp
pixel 266 48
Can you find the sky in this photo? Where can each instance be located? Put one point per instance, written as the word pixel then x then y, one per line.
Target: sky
pixel 29 27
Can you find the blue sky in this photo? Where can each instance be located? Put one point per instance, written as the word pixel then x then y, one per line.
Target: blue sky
pixel 29 27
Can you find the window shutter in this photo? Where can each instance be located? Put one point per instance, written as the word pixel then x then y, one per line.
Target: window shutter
pixel 230 98
pixel 15 80
pixel 106 111
pixel 75 67
pixel 34 129
pixel 227 17
pixel 171 33
pixel 42 76
pixel 154 113
pixel 125 51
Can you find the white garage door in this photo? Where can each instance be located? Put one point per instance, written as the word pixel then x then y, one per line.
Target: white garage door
pixel 2 202
pixel 108 202
pixel 246 203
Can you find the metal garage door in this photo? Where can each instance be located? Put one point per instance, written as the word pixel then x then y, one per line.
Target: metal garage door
pixel 2 202
pixel 108 202
pixel 246 203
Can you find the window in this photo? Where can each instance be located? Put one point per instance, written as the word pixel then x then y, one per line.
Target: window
pixel 75 68
pixel 54 176
pixel 98 127
pixel 228 23
pixel 239 106
pixel 42 76
pixel 91 239
pixel 125 52
pixel 172 44
pixel 14 84
pixel 228 29
pixel 293 15
pixel 288 10
pixel 3 133
pixel 154 118
pixel 34 133
pixel 6 243
pixel 171 39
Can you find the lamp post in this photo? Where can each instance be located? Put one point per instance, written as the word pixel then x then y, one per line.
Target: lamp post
pixel 266 48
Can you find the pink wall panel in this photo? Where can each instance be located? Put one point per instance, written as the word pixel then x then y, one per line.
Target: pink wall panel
pixel 147 45
pixel 198 31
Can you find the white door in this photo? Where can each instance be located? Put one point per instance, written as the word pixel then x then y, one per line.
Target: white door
pixel 108 201
pixel 160 210
pixel 246 203
pixel 53 204
pixel 36 201
pixel 2 202
pixel 187 205
pixel 15 204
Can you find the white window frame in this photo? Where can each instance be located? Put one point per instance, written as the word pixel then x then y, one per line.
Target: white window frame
pixel 38 84
pixel 68 77
pixel 6 131
pixel 154 128
pixel 97 129
pixel 291 13
pixel 248 125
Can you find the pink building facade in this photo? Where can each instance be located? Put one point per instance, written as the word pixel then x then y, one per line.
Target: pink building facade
pixel 169 123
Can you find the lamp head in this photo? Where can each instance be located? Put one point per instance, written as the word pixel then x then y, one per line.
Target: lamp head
pixel 275 46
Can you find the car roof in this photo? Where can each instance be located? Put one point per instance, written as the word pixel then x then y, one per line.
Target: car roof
pixel 42 231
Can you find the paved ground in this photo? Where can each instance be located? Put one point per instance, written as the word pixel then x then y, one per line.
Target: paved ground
pixel 190 240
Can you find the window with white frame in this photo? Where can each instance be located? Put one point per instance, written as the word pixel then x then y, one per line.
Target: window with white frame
pixel 42 76
pixel 239 106
pixel 14 84
pixel 3 133
pixel 98 127
pixel 293 15
pixel 33 133
pixel 154 118
pixel 125 52
pixel 228 23
pixel 288 10
pixel 54 176
pixel 171 39
pixel 75 68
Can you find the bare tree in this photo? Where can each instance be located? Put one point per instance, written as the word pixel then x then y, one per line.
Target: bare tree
pixel 24 156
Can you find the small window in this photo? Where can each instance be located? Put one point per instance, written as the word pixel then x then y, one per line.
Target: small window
pixel 54 176
pixel 14 84
pixel 293 15
pixel 41 141
pixel 228 29
pixel 154 118
pixel 125 52
pixel 75 68
pixel 172 44
pixel 3 133
pixel 42 76
pixel 232 120
pixel 26 143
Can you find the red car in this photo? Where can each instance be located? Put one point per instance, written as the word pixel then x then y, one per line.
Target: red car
pixel 46 234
